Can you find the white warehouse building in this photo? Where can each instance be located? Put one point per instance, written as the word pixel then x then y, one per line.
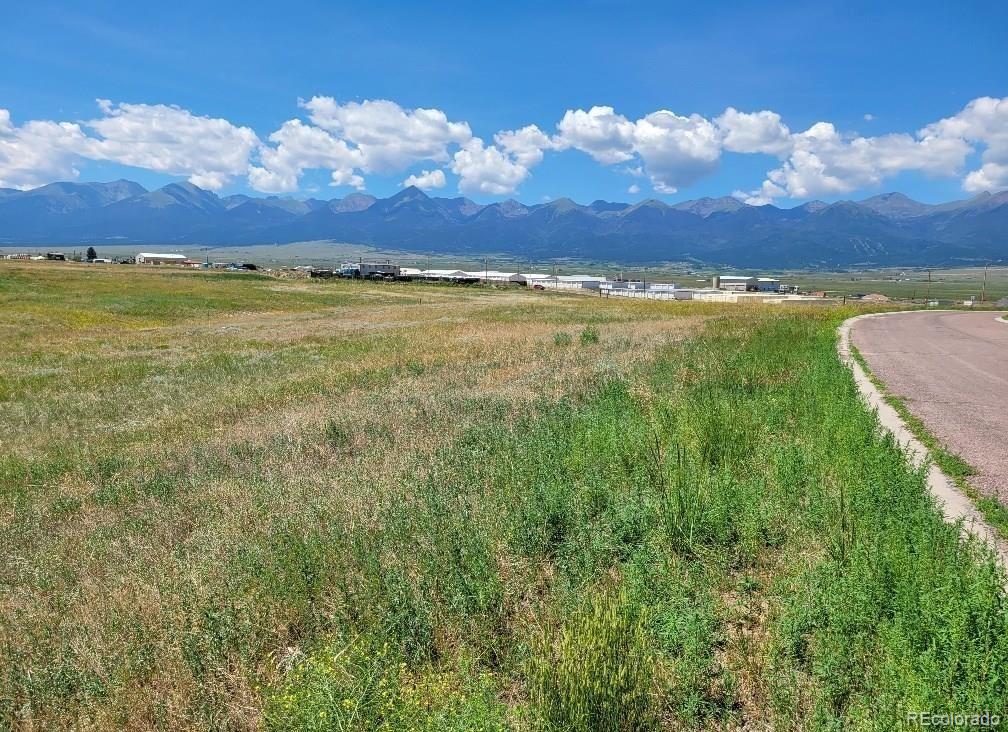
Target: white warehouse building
pixel 735 283
pixel 491 275
pixel 529 279
pixel 743 283
pixel 572 282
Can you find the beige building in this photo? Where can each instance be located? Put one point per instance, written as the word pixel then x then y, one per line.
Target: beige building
pixel 158 258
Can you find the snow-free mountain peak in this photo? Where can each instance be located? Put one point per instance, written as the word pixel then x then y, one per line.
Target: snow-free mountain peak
pixel 886 229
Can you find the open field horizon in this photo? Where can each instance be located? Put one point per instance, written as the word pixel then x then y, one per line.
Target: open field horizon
pixel 229 501
pixel 525 367
pixel 948 284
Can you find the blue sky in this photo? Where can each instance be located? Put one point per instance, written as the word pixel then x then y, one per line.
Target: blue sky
pixel 879 73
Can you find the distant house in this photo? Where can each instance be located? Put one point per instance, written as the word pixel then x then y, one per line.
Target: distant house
pixel 767 284
pixel 56 256
pixel 156 258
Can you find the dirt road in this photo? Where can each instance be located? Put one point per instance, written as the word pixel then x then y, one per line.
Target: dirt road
pixel 951 369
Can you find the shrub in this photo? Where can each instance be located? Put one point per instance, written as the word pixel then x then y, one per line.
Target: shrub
pixel 362 685
pixel 337 435
pixel 562 339
pixel 589 335
pixel 595 671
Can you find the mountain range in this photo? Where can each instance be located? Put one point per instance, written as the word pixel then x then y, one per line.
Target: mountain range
pixel 888 229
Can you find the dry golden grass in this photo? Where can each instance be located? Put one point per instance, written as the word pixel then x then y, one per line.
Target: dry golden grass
pixel 161 426
pixel 235 502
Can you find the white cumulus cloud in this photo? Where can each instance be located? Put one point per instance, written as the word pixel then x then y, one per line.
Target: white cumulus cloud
pixel 38 152
pixel 351 140
pixel 526 145
pixel 824 162
pixel 172 140
pixel 982 121
pixel 165 139
pixel 487 169
pixel 298 147
pixel 988 177
pixel 674 150
pixel 606 136
pixel 427 180
pixel 346 177
pixel 754 132
pixel 389 137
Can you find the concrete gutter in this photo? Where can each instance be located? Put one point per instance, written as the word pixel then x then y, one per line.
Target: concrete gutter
pixel 953 503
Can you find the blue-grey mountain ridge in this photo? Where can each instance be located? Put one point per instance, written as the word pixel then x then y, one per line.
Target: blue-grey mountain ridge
pixel 888 229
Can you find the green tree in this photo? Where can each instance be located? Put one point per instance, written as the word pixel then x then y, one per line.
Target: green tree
pixel 91 253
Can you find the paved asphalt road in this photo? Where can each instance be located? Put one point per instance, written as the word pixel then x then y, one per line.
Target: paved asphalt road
pixel 951 369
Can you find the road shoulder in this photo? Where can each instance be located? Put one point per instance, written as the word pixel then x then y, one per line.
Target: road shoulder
pixel 954 504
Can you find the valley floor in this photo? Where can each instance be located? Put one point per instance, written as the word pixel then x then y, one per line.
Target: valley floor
pixel 234 502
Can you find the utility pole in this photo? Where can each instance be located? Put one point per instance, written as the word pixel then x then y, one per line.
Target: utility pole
pixel 929 287
pixel 486 271
pixel 983 292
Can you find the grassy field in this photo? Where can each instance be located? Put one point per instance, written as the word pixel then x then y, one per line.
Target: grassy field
pixel 232 502
pixel 946 285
